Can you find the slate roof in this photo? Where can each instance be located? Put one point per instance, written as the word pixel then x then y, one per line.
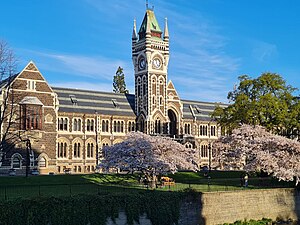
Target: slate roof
pixel 108 103
pixel 199 110
pixel 90 102
pixel 5 82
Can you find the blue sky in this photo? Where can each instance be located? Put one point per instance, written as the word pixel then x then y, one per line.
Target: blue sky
pixel 80 43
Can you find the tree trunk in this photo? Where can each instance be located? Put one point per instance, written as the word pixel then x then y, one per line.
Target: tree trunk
pixel 152 181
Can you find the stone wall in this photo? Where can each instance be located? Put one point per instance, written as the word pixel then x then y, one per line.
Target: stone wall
pixel 227 207
pixel 221 207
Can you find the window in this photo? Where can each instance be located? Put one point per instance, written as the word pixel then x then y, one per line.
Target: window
pixel 157 127
pixel 76 150
pixel 77 124
pixel 118 126
pixel 131 126
pixel 187 128
pixel 90 125
pixel 42 162
pixel 63 124
pixel 62 150
pixel 204 151
pixel 189 145
pixel 203 130
pixel 73 99
pixel 31 85
pixel 161 101
pixel 105 125
pixel 31 117
pixel 122 127
pixel 213 130
pixel 90 150
pixel 16 162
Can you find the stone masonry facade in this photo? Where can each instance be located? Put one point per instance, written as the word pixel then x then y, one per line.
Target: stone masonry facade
pixel 67 128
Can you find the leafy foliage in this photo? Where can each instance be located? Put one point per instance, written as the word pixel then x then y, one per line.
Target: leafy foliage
pixel 267 101
pixel 119 85
pixel 93 209
pixel 253 148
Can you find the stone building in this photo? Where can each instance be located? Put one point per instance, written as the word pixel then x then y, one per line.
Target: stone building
pixel 65 129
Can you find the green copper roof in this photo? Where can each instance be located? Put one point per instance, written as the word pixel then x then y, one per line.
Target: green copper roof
pixel 154 26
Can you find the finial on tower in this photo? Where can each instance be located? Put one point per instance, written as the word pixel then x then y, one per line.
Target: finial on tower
pixel 166 31
pixel 134 35
pixel 147 5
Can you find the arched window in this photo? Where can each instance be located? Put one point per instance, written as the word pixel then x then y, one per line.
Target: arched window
pixel 129 126
pixel 115 126
pixel 88 125
pixel 61 149
pixel 76 150
pixel 75 125
pixel 103 126
pixel 16 162
pixel 92 125
pixel 204 151
pixel 157 127
pixel 42 162
pixel 61 124
pixel 90 150
pixel 122 127
pixel 65 124
pixel 79 125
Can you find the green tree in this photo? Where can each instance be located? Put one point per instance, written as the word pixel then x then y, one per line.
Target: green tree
pixel 267 101
pixel 119 85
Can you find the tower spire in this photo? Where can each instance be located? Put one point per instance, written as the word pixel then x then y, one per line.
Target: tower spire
pixel 166 31
pixel 134 35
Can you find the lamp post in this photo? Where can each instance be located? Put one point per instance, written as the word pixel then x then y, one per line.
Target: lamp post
pixel 97 147
pixel 209 156
pixel 28 149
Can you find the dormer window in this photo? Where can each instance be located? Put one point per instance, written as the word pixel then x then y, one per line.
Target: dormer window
pixel 31 85
pixel 73 99
pixel 115 103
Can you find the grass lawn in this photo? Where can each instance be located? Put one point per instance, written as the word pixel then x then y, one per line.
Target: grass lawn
pixel 65 185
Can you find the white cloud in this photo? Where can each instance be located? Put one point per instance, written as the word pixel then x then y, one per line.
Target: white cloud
pixel 263 51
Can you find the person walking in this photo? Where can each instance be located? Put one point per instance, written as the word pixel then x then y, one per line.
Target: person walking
pixel 246 180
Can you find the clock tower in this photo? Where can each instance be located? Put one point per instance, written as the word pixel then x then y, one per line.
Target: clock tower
pixel 150 56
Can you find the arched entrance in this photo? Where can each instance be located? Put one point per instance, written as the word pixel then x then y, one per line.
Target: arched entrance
pixel 173 123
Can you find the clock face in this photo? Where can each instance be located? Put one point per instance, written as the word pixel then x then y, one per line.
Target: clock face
pixel 156 63
pixel 142 64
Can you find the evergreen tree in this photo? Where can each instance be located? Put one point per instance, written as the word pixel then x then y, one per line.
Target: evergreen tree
pixel 119 85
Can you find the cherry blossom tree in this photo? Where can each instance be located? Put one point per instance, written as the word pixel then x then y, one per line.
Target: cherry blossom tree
pixel 151 155
pixel 253 148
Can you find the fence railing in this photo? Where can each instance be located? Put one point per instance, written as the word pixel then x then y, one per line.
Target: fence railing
pixel 202 185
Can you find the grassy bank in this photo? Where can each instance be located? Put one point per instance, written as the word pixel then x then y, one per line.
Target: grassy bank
pixel 70 185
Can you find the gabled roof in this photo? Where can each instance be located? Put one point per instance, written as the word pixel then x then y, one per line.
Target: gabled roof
pixel 7 81
pixel 90 102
